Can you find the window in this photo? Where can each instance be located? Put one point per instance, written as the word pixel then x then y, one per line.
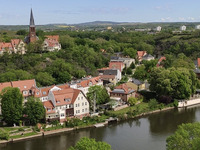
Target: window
pixel 78 111
pixel 67 99
pixel 78 98
pixel 37 93
pixel 62 115
pixel 82 104
pixel 82 97
pixel 48 109
pixel 85 103
pixel 25 87
pixel 44 93
pixel 85 109
pixel 76 105
pixel 82 110
pixel 25 92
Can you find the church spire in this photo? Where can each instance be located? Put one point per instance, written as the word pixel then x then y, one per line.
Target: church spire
pixel 32 23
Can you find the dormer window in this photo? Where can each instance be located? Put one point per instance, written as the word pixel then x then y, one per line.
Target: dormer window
pixel 67 99
pixel 37 93
pixel 44 92
pixel 57 101
pixel 25 87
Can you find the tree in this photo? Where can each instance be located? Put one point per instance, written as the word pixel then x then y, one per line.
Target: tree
pixel 130 52
pixel 186 137
pixel 132 101
pixel 90 144
pixel 21 32
pixel 99 94
pixel 140 73
pixel 11 105
pixel 34 110
pixel 44 79
pixel 178 83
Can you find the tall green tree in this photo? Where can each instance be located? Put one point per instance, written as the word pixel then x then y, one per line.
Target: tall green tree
pixel 99 94
pixel 186 137
pixel 34 110
pixel 11 105
pixel 90 144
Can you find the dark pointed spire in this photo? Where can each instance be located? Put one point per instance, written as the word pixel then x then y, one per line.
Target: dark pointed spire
pixel 32 23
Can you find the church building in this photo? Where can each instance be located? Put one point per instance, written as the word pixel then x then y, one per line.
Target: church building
pixel 32 32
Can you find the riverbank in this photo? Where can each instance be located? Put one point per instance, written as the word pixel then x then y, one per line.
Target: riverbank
pixel 53 132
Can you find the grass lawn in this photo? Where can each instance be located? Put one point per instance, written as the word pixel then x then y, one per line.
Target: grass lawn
pixel 25 135
pixel 141 106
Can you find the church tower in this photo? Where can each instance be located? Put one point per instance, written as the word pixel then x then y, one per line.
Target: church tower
pixel 32 32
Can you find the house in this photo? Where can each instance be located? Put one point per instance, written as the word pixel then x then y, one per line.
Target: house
pixel 27 87
pixel 148 57
pixel 51 43
pixel 158 28
pixel 6 47
pixel 137 84
pixel 126 61
pixel 160 61
pixel 110 76
pixel 18 46
pixel 123 91
pixel 116 65
pixel 183 28
pixel 140 55
pixel 45 90
pixel 86 83
pixel 15 46
pixel 197 27
pixel 65 103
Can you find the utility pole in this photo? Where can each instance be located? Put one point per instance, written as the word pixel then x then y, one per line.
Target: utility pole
pixel 94 109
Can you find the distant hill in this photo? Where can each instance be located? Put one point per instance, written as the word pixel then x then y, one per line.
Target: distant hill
pixel 102 24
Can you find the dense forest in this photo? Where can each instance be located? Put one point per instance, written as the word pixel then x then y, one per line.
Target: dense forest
pixel 81 53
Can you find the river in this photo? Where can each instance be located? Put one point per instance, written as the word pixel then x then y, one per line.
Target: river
pixel 145 133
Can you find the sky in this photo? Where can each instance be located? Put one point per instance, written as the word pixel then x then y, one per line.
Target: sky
pixel 17 12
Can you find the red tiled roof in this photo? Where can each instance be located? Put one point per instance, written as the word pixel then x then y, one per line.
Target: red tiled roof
pixel 15 42
pixel 116 65
pixel 198 62
pixel 48 104
pixel 85 83
pixel 160 60
pixel 4 45
pixel 124 87
pixel 4 85
pixel 69 93
pixel 104 68
pixel 53 37
pixel 141 53
pixel 106 77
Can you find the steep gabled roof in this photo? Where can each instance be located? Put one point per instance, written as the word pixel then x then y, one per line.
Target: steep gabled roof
pixel 123 88
pixel 32 23
pixel 116 65
pixel 69 93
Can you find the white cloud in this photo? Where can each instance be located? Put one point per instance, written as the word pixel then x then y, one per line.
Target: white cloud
pixel 166 19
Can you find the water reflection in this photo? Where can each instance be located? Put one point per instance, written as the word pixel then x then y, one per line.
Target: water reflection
pixel 149 132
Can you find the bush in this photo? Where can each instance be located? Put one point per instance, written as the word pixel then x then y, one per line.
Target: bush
pixel 20 129
pixel 4 135
pixel 175 103
pixel 55 122
pixel 153 104
pixel 161 106
pixel 36 129
pixel 132 101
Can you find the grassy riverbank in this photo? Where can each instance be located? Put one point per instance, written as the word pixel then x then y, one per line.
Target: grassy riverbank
pixel 123 114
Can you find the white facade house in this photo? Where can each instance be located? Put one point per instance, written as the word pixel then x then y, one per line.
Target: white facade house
pixel 158 28
pixel 183 28
pixel 65 103
pixel 197 27
pixel 86 83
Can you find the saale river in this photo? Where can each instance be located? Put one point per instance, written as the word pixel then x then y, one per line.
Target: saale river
pixel 145 133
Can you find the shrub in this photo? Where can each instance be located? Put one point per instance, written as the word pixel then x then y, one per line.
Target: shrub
pixel 175 103
pixel 36 129
pixel 55 122
pixel 20 129
pixel 4 135
pixel 132 101
pixel 161 106
pixel 153 104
